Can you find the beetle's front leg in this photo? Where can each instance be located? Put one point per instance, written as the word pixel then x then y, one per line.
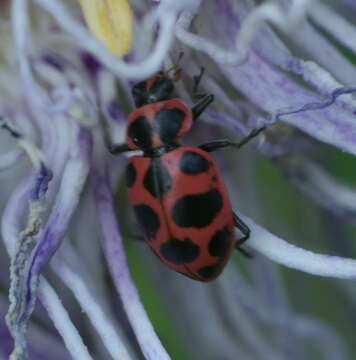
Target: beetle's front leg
pixel 201 105
pixel 118 148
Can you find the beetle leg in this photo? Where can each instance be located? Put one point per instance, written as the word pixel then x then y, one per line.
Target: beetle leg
pixel 243 228
pixel 215 145
pixel 220 144
pixel 246 234
pixel 203 99
pixel 250 136
pixel 118 148
pixel 175 67
pixel 201 105
pixel 197 79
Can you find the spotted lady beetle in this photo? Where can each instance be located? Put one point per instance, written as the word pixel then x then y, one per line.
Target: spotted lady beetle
pixel 177 192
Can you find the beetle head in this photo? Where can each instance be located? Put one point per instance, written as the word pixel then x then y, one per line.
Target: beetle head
pixel 157 88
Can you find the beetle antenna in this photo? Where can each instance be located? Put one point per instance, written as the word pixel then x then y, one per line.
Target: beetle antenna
pixel 177 70
pixel 196 82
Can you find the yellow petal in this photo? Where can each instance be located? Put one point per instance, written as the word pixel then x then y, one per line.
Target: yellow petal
pixel 111 22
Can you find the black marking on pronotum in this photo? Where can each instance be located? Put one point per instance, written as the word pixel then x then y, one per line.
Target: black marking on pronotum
pixel 157 180
pixel 140 132
pixel 197 210
pixel 139 94
pixel 148 220
pixel 210 271
pixel 180 251
pixel 193 163
pixel 131 175
pixel 169 122
pixel 161 89
pixel 220 243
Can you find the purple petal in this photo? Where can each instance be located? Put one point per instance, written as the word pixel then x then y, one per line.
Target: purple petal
pixel 116 258
pixel 272 90
pixel 72 184
pixel 335 24
pixel 53 60
pixel 91 63
pixel 10 159
pixel 40 188
pixel 24 293
pixel 316 183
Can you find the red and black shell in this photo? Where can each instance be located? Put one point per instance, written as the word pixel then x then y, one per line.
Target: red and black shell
pixel 183 209
pixel 178 195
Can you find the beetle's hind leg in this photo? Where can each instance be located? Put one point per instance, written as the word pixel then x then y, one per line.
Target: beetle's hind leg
pixel 246 234
pixel 243 228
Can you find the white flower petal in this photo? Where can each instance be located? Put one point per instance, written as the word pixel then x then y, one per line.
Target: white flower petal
pixel 297 258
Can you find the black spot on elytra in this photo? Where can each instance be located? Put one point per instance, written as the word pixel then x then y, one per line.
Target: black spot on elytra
pixel 140 132
pixel 220 242
pixel 157 180
pixel 169 122
pixel 180 251
pixel 131 175
pixel 197 210
pixel 148 220
pixel 193 163
pixel 210 271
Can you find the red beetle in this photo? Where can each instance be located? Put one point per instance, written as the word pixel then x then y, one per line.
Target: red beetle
pixel 177 192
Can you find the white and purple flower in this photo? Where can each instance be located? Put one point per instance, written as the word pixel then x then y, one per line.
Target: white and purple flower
pixel 64 95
